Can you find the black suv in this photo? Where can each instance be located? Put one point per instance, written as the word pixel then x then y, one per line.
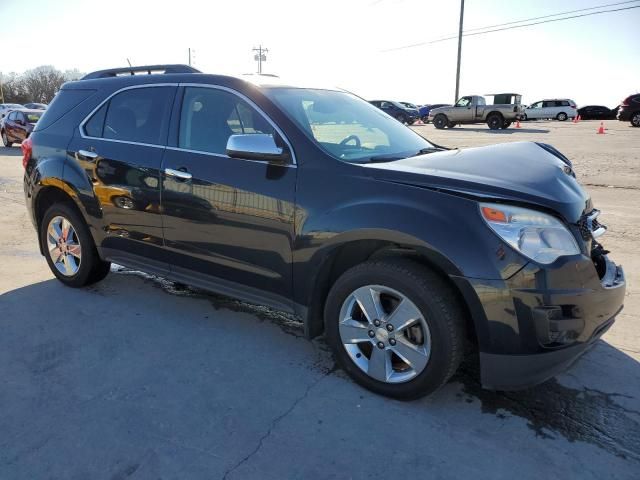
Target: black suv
pixel 629 110
pixel 404 254
pixel 398 111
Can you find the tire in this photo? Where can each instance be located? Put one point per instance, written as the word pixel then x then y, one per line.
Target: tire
pixel 524 117
pixel 506 124
pixel 635 119
pixel 431 303
pixel 440 121
pixel 5 140
pixel 81 265
pixel 495 121
pixel 562 116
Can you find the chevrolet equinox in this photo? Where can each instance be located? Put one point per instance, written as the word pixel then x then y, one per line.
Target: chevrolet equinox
pixel 403 253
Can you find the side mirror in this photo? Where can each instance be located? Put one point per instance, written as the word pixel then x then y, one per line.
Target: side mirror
pixel 256 146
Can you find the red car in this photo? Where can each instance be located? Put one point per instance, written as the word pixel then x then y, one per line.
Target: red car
pixel 18 125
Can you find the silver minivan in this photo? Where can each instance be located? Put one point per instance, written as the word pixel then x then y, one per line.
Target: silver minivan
pixel 557 108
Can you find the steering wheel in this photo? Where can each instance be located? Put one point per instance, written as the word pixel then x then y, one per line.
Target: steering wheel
pixel 350 138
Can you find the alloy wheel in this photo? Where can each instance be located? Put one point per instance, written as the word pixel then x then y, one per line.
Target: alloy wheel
pixel 64 246
pixel 635 120
pixel 384 334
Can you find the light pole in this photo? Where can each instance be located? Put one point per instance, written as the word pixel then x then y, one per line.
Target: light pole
pixel 459 51
pixel 1 92
pixel 260 56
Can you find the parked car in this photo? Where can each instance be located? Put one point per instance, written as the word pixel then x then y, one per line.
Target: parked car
pixel 474 109
pixel 423 110
pixel 404 254
pixel 397 110
pixel 629 110
pixel 558 109
pixel 18 125
pixel 35 106
pixel 595 112
pixel 7 107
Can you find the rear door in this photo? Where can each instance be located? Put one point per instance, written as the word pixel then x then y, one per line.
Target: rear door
pixel 228 222
pixel 119 149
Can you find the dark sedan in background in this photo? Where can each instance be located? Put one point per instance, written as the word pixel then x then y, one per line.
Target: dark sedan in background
pixel 596 112
pixel 397 110
pixel 629 110
pixel 18 125
pixel 35 106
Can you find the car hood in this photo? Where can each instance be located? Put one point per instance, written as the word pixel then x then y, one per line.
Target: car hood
pixel 519 172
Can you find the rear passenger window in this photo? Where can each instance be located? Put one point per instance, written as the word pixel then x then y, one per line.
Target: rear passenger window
pixel 137 115
pixel 210 116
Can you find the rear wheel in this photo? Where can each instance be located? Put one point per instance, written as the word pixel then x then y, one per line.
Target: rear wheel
pixel 395 327
pixel 69 248
pixel 440 121
pixel 562 116
pixel 5 139
pixel 635 119
pixel 495 121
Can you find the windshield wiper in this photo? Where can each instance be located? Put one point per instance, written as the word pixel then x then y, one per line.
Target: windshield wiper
pixel 389 157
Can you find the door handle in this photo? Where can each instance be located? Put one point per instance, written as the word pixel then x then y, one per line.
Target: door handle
pixel 170 172
pixel 87 154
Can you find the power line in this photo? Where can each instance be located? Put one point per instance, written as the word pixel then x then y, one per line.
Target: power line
pixel 509 28
pixel 606 5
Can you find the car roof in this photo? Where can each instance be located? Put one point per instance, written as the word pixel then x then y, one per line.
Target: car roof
pixel 131 76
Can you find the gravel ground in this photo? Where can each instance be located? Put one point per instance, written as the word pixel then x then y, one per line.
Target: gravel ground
pixel 139 378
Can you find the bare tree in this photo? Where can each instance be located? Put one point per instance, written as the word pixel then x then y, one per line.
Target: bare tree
pixel 42 83
pixel 12 89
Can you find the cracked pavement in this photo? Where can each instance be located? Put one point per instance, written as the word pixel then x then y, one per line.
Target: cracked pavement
pixel 140 378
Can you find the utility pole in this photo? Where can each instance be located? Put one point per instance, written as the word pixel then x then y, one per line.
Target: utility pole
pixel 1 92
pixel 260 56
pixel 189 56
pixel 459 51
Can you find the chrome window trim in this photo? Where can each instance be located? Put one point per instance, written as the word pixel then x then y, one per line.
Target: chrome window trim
pixel 199 85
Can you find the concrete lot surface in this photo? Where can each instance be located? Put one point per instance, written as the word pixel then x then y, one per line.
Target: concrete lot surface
pixel 138 378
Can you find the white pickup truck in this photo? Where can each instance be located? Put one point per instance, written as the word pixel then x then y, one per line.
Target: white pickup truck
pixel 505 109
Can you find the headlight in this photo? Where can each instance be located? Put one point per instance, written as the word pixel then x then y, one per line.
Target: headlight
pixel 536 235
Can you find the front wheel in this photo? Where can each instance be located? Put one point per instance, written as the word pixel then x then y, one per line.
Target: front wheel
pixel 5 139
pixel 635 119
pixel 440 121
pixel 69 248
pixel 395 327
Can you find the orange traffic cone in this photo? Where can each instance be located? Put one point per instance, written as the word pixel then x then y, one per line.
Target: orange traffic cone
pixel 419 122
pixel 518 123
pixel 601 129
pixel 579 118
pixel 575 119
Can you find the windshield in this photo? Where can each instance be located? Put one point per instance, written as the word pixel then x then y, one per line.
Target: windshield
pixel 33 117
pixel 407 104
pixel 348 127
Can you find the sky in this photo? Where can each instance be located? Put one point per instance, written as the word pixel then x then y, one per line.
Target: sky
pixel 344 43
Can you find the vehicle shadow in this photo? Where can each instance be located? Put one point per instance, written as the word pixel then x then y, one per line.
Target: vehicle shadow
pixel 207 369
pixel 14 151
pixel 508 131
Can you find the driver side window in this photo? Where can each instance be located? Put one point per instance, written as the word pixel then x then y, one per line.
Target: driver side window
pixel 463 102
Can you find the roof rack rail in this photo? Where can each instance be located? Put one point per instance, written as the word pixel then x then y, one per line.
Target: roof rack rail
pixel 149 69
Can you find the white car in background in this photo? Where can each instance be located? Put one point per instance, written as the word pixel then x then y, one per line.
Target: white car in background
pixel 556 108
pixel 7 107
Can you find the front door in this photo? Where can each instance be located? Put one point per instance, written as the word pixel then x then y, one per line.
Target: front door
pixel 464 110
pixel 228 222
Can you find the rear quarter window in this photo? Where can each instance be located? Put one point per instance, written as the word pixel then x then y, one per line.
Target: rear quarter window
pixel 65 101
